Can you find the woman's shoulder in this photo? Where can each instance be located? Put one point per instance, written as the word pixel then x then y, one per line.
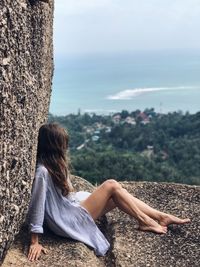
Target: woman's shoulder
pixel 41 170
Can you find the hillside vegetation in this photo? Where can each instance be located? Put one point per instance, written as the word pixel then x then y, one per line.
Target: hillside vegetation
pixel 134 146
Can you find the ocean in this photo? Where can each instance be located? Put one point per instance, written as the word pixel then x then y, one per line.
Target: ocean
pixel 106 83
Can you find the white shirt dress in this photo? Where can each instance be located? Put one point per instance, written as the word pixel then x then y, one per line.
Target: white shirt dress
pixel 63 215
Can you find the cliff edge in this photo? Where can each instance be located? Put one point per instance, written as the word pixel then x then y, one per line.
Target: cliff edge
pixel 129 247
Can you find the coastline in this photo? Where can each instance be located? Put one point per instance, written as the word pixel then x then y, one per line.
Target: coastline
pixel 166 81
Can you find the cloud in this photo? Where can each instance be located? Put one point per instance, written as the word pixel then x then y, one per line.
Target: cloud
pixel 89 26
pixel 77 7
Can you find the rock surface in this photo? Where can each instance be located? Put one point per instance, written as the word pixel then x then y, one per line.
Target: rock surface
pixel 180 247
pixel 25 87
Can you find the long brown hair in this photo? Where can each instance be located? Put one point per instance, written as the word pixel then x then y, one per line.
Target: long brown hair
pixel 52 153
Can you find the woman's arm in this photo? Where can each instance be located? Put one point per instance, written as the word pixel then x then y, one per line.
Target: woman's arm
pixel 36 213
pixel 35 248
pixel 34 238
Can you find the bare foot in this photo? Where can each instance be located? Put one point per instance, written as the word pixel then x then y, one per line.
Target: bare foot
pixel 167 219
pixel 152 226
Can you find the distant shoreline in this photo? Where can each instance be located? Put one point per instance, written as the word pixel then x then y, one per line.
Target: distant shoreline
pixel 110 83
pixel 118 112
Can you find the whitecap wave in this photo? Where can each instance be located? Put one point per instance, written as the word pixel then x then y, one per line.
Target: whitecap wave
pixel 131 93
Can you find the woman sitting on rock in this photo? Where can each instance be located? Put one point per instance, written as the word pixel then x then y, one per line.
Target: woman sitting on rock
pixel 73 214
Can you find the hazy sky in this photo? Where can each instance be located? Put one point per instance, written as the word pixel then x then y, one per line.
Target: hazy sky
pixel 90 26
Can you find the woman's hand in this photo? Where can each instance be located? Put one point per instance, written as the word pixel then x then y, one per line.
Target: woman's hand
pixel 35 251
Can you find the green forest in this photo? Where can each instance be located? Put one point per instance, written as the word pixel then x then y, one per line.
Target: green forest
pixel 134 146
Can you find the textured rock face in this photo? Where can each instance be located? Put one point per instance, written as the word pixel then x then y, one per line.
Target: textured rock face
pixel 179 247
pixel 25 86
pixel 129 247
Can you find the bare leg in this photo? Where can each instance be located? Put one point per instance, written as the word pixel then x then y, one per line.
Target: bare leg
pixel 146 224
pixel 167 219
pixel 163 218
pixel 97 203
pixel 110 206
pixel 151 212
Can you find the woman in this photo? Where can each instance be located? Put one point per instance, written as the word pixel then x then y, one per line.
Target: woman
pixel 73 214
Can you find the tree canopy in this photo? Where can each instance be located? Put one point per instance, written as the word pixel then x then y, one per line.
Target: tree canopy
pixel 134 146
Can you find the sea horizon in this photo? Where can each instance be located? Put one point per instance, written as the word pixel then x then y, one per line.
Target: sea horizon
pixel 108 83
